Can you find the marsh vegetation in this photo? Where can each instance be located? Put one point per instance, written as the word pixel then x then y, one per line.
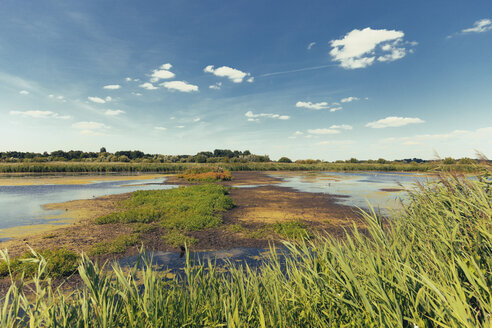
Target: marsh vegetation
pixel 429 267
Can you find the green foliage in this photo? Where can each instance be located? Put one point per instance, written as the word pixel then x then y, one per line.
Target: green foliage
pixel 59 263
pixel 284 160
pixel 176 238
pixel 143 227
pixel 118 245
pixel 449 160
pixel 292 230
pixel 184 208
pixel 429 267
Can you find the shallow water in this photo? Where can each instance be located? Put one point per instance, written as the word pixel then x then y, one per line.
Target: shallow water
pixel 175 262
pixel 22 205
pixel 360 188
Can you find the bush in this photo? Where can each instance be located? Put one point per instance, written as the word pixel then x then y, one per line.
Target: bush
pixel 284 160
pixel 118 245
pixel 176 238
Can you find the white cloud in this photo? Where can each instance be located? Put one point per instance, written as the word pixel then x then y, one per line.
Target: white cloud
pixel 394 121
pixel 112 87
pixel 216 86
pixel 310 105
pixel 60 98
pixel 180 126
pixel 114 112
pixel 342 126
pixel 97 100
pixel 162 73
pixel 255 117
pixel 160 128
pixel 323 131
pixel 196 119
pixel 181 86
pixel 148 86
pixel 311 45
pixel 24 92
pixel 232 74
pixel 250 80
pixel 480 26
pixel 349 99
pixel 334 109
pixel 359 48
pixel 89 126
pixel 39 114
pixel 136 94
pixel 296 134
pixel 128 79
pixel 108 99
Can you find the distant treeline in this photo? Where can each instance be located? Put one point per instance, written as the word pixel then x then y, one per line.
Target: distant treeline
pixel 134 156
pixel 217 156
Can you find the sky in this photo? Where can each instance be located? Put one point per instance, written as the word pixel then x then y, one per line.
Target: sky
pixel 314 79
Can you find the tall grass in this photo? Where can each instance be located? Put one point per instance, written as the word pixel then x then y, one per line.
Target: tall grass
pixel 429 267
pixel 78 167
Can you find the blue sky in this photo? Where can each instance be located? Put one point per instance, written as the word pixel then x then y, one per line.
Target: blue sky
pixel 318 79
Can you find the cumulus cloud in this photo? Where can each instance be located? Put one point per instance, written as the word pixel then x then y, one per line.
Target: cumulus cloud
pixel 89 125
pixel 360 48
pixel 480 26
pixel 114 112
pixel 323 131
pixel 39 114
pixel 310 105
pixel 342 127
pixel 252 117
pixel 196 119
pixel 148 86
pixel 394 121
pixel 163 73
pixel 250 80
pixel 112 87
pixel 60 98
pixel 334 109
pixel 232 74
pixel 97 100
pixel 311 45
pixel 216 86
pixel 24 92
pixel 128 79
pixel 181 86
pixel 349 99
pixel 160 128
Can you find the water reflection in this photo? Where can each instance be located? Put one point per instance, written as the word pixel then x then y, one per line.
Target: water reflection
pixel 22 205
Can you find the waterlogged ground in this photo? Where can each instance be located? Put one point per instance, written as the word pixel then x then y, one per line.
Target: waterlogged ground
pixel 23 200
pixel 381 190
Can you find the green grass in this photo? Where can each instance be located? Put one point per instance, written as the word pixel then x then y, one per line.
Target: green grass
pixel 59 263
pixel 429 267
pixel 116 246
pixel 292 230
pixel 177 238
pixel 185 208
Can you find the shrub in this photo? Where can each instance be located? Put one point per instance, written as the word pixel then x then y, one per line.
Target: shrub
pixel 284 160
pixel 176 238
pixel 118 245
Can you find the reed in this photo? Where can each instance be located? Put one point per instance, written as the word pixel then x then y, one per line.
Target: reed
pixel 98 167
pixel 429 267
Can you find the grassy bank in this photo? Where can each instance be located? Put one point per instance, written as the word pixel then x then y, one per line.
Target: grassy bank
pixel 79 167
pixel 430 267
